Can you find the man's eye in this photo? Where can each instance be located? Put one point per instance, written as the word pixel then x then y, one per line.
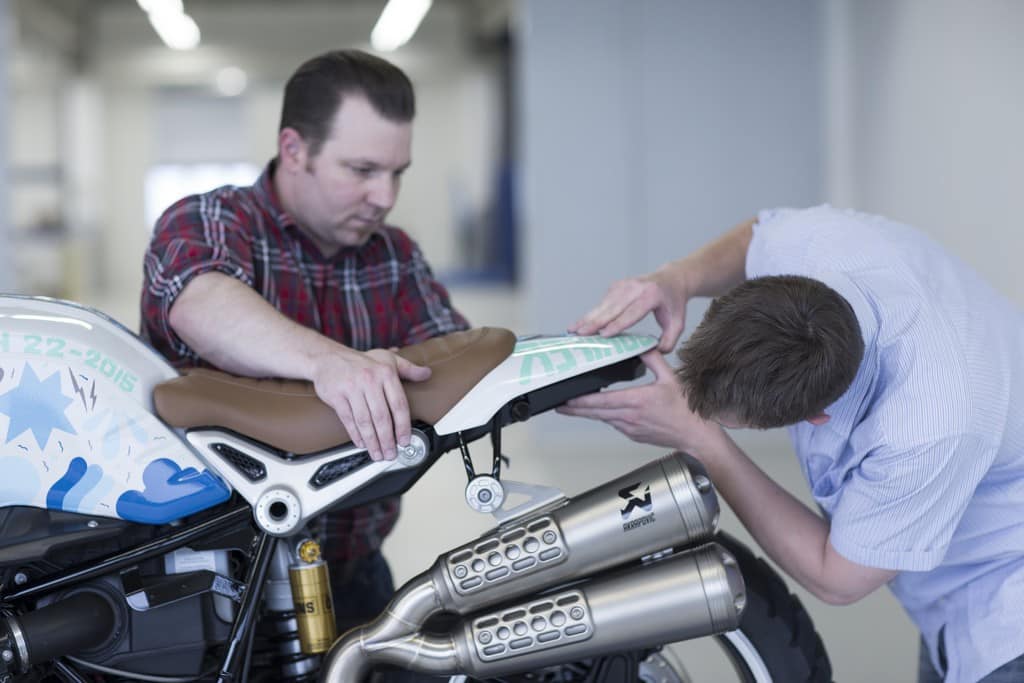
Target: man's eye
pixel 362 170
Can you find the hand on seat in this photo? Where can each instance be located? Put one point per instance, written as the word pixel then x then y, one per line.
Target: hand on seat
pixel 664 292
pixel 365 389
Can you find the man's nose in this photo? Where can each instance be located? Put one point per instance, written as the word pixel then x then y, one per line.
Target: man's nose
pixel 383 191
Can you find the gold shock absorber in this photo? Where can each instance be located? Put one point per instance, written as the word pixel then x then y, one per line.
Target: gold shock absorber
pixel 314 606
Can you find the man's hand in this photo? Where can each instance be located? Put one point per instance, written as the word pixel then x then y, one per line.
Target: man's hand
pixel 655 413
pixel 365 389
pixel 628 301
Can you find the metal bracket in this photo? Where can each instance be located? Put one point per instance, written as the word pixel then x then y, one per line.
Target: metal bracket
pixel 538 496
pixel 141 596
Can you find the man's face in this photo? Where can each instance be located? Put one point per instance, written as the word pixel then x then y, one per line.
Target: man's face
pixel 342 195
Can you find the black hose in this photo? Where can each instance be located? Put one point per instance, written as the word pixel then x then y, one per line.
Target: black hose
pixel 79 622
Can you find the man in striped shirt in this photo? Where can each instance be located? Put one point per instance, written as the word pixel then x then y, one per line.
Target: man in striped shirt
pixel 299 276
pixel 900 375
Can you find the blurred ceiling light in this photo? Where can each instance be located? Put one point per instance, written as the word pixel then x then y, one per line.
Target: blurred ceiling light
pixel 231 81
pixel 160 6
pixel 397 23
pixel 167 17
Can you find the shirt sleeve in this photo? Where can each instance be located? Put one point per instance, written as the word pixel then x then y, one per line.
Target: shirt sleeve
pixel 899 508
pixel 198 234
pixel 424 306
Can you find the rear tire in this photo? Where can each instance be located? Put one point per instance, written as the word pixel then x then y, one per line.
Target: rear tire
pixel 776 623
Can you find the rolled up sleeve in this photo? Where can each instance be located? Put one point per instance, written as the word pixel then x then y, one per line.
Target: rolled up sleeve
pixel 899 508
pixel 199 234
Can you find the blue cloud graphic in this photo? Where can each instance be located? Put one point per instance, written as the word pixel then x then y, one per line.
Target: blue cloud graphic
pixel 170 493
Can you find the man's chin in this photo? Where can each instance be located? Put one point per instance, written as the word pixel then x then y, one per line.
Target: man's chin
pixel 357 237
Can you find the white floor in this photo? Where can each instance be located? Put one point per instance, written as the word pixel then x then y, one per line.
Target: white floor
pixel 870 642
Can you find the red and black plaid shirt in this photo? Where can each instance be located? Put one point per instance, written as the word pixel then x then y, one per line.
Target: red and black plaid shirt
pixel 379 295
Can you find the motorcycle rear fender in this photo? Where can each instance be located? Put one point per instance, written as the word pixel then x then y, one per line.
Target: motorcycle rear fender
pixel 535 363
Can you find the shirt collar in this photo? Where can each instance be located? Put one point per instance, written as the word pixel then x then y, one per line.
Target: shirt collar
pixel 266 196
pixel 849 408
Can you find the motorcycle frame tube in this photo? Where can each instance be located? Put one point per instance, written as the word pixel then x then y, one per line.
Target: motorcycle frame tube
pixel 696 593
pixel 121 560
pixel 243 625
pixel 236 653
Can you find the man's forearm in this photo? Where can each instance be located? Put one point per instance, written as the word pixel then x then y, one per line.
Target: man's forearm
pixel 235 329
pixel 794 536
pixel 716 267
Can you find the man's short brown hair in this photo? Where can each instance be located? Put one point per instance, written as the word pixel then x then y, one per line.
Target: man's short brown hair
pixel 771 352
pixel 315 91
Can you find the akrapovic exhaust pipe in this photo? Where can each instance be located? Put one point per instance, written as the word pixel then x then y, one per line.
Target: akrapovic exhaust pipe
pixel 695 593
pixel 668 503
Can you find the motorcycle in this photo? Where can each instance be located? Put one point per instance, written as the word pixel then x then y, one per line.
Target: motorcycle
pixel 155 526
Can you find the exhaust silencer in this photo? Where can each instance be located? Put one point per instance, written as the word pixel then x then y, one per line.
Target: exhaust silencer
pixel 691 594
pixel 667 503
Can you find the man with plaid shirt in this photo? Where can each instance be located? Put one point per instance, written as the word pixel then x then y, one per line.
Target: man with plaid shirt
pixel 298 276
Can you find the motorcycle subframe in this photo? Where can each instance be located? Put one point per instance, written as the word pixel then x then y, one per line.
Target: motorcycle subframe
pixel 234 663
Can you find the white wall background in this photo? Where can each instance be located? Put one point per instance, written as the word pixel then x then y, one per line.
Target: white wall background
pixel 926 122
pixel 649 128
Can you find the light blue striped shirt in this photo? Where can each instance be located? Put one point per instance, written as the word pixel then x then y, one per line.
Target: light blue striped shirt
pixel 921 466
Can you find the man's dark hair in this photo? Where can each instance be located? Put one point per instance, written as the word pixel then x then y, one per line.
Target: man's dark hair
pixel 315 91
pixel 771 352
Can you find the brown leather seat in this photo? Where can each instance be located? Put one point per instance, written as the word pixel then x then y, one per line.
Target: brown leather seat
pixel 288 415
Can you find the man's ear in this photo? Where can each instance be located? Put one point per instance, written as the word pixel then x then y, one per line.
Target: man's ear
pixel 819 419
pixel 291 150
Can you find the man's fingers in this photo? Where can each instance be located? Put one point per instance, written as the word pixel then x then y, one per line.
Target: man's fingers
pixel 617 398
pixel 365 426
pixel 657 364
pixel 344 412
pixel 410 371
pixel 626 318
pixel 604 414
pixel 599 316
pixel 588 324
pixel 671 329
pixel 383 425
pixel 399 407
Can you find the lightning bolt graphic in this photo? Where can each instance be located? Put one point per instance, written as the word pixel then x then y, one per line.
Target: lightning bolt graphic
pixel 77 388
pixel 92 394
